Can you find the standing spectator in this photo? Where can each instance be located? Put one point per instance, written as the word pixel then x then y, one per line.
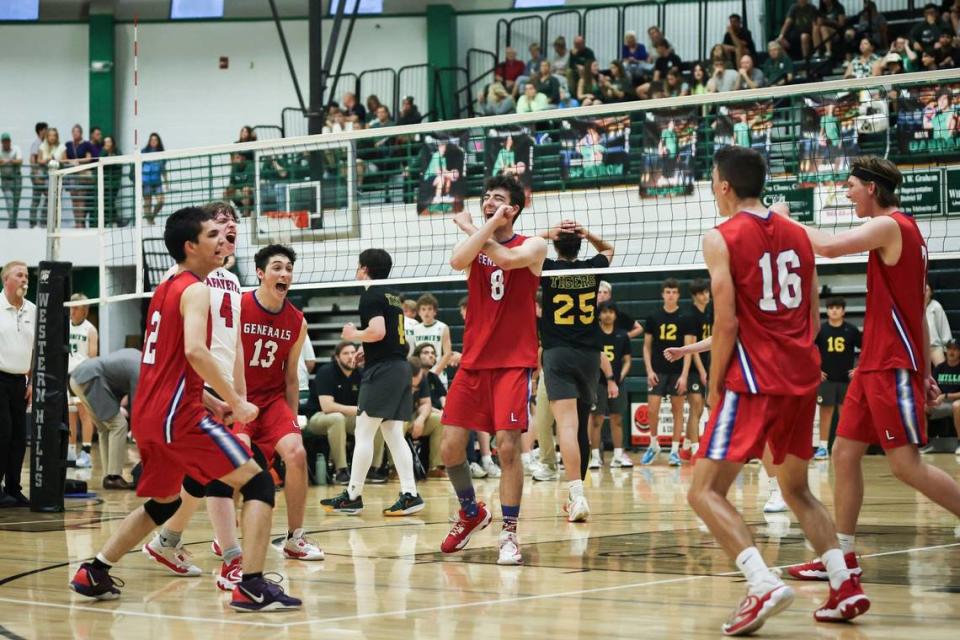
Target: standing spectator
pixel 862 66
pixel 435 332
pixel 738 41
pixel 947 375
pixel 352 109
pixel 925 35
pixel 80 185
pixel 409 113
pixel 424 418
pixel 588 87
pixel 510 69
pixel 532 100
pixel 497 101
pixel 723 79
pixel 11 180
pixel 558 62
pixel 870 23
pixel 153 174
pixel 96 141
pixel 49 155
pixel 831 21
pixel 938 326
pixel 796 32
pixel 373 104
pixel 548 84
pixel 18 318
pixel 579 63
pixel 100 384
pixel 112 175
pixel 748 76
pixel 38 181
pixel 778 68
pixel 531 70
pixel 635 58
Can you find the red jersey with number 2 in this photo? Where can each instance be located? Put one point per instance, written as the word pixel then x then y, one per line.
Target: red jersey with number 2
pixel 267 340
pixel 501 326
pixel 772 265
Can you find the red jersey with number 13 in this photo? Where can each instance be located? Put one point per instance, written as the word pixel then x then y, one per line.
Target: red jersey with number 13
pixel 501 326
pixel 772 265
pixel 267 340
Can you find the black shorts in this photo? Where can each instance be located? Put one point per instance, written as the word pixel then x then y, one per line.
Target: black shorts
pixel 695 384
pixel 666 386
pixel 571 373
pixel 831 394
pixel 386 391
pixel 605 406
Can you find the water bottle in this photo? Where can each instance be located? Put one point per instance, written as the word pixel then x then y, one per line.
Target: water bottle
pixel 321 469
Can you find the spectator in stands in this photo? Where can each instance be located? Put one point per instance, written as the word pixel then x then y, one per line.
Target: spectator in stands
pixel 409 113
pixel 635 58
pixel 558 62
pixel 50 155
pixel 588 87
pixel 674 85
pixel 778 67
pixel 153 175
pixel 699 77
pixel 888 65
pixel 306 365
pixel 925 35
pixel 666 60
pixel 96 140
pixel 655 35
pixel 796 32
pixel 719 51
pixel 831 22
pixel 748 76
pixel 425 420
pixel 952 16
pixel 11 180
pixel 428 360
pixel 738 41
pixel 509 70
pixel 548 84
pixel 531 70
pixel 80 186
pixel 383 118
pixel 937 325
pixel 947 375
pixel 870 23
pixel 532 100
pixel 579 62
pixel 615 85
pixel 909 59
pixel 38 181
pixel 722 79
pixel 112 176
pixel 352 109
pixel 336 122
pixel 496 101
pixel 566 100
pixel 373 103
pixel 946 54
pixel 240 186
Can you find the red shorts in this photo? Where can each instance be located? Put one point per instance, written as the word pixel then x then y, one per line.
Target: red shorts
pixel 195 445
pixel 739 428
pixel 885 408
pixel 489 400
pixel 274 421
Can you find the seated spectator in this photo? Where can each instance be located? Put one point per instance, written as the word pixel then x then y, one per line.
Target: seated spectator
pixel 889 65
pixel 496 101
pixel 548 84
pixel 531 70
pixel 558 62
pixel 748 76
pixel 510 69
pixel 425 420
pixel 778 68
pixel 532 100
pixel 409 113
pixel 580 58
pixel 428 360
pixel 862 66
pixel 666 60
pixel 909 59
pixel 337 122
pixel 589 90
pixel 719 51
pixel 925 35
pixel 674 85
pixel 373 103
pixel 699 75
pixel 951 15
pixel 796 32
pixel 946 53
pixel 943 122
pixel 722 79
pixel 738 41
pixel 655 35
pixel 635 58
pixel 870 23
pixel 615 86
pixel 947 375
pixel 353 110
pixel 566 100
pixel 383 118
pixel 831 21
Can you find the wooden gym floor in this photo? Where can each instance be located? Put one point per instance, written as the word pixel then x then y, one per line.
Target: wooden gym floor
pixel 640 568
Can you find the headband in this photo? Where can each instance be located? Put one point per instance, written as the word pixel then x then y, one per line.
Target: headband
pixel 866 174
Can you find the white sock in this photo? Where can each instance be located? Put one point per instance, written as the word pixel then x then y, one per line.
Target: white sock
pixel 362 453
pixel 674 447
pixel 774 486
pixel 694 447
pixel 393 435
pixel 576 488
pixel 617 453
pixel 654 444
pixel 846 542
pixel 823 444
pixel 486 461
pixel 756 571
pixel 686 444
pixel 525 458
pixel 71 450
pixel 836 567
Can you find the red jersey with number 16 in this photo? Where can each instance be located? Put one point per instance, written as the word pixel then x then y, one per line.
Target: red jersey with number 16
pixel 267 340
pixel 772 265
pixel 501 326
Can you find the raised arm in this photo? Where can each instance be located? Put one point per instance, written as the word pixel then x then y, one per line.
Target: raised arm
pixel 725 325
pixel 466 250
pixel 882 232
pixel 529 254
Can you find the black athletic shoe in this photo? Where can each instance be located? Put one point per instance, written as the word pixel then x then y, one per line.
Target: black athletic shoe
pixel 95 583
pixel 342 477
pixel 405 505
pixel 343 504
pixel 376 476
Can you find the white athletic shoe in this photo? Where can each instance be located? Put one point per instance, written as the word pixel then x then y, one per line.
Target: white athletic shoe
pixel 176 559
pixel 775 503
pixel 595 462
pixel 493 471
pixel 529 466
pixel 299 547
pixel 624 462
pixel 509 549
pixel 476 471
pixel 543 473
pixel 83 460
pixel 577 509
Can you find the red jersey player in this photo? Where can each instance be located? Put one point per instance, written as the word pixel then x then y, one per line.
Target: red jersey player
pixel 766 311
pixel 176 434
pixel 892 383
pixel 491 392
pixel 272 331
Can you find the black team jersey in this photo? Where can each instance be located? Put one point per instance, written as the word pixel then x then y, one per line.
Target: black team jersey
pixel 569 304
pixel 377 302
pixel 667 329
pixel 614 345
pixel 702 325
pixel 838 346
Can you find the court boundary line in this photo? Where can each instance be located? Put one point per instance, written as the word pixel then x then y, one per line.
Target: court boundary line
pixel 407 612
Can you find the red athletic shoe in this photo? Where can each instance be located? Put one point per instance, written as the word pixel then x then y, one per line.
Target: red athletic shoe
pixel 464 528
pixel 215 548
pixel 753 610
pixel 845 603
pixel 816 570
pixel 230 574
pixel 685 455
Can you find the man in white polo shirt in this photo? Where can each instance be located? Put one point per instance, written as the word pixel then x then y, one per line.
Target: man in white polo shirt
pixel 18 321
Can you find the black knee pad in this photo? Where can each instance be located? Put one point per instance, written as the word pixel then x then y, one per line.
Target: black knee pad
pixel 218 489
pixel 259 487
pixel 193 487
pixel 160 512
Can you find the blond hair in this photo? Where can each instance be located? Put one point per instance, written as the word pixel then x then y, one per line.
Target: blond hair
pixel 7 268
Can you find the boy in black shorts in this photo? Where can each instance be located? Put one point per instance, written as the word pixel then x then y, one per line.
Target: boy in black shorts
pixel 838 342
pixel 615 347
pixel 701 323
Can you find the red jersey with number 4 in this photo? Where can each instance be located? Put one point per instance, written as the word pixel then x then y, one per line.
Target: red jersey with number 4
pixel 772 265
pixel 501 326
pixel 267 340
pixel 169 387
pixel 893 322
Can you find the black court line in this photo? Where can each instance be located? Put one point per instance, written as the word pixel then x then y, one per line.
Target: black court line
pixel 17 576
pixel 6 633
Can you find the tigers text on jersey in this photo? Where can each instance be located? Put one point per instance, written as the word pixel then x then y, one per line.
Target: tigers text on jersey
pixel 501 326
pixel 267 339
pixel 569 315
pixel 772 266
pixel 79 344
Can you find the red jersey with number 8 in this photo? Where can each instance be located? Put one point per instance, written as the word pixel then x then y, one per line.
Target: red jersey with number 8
pixel 267 340
pixel 500 330
pixel 772 266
